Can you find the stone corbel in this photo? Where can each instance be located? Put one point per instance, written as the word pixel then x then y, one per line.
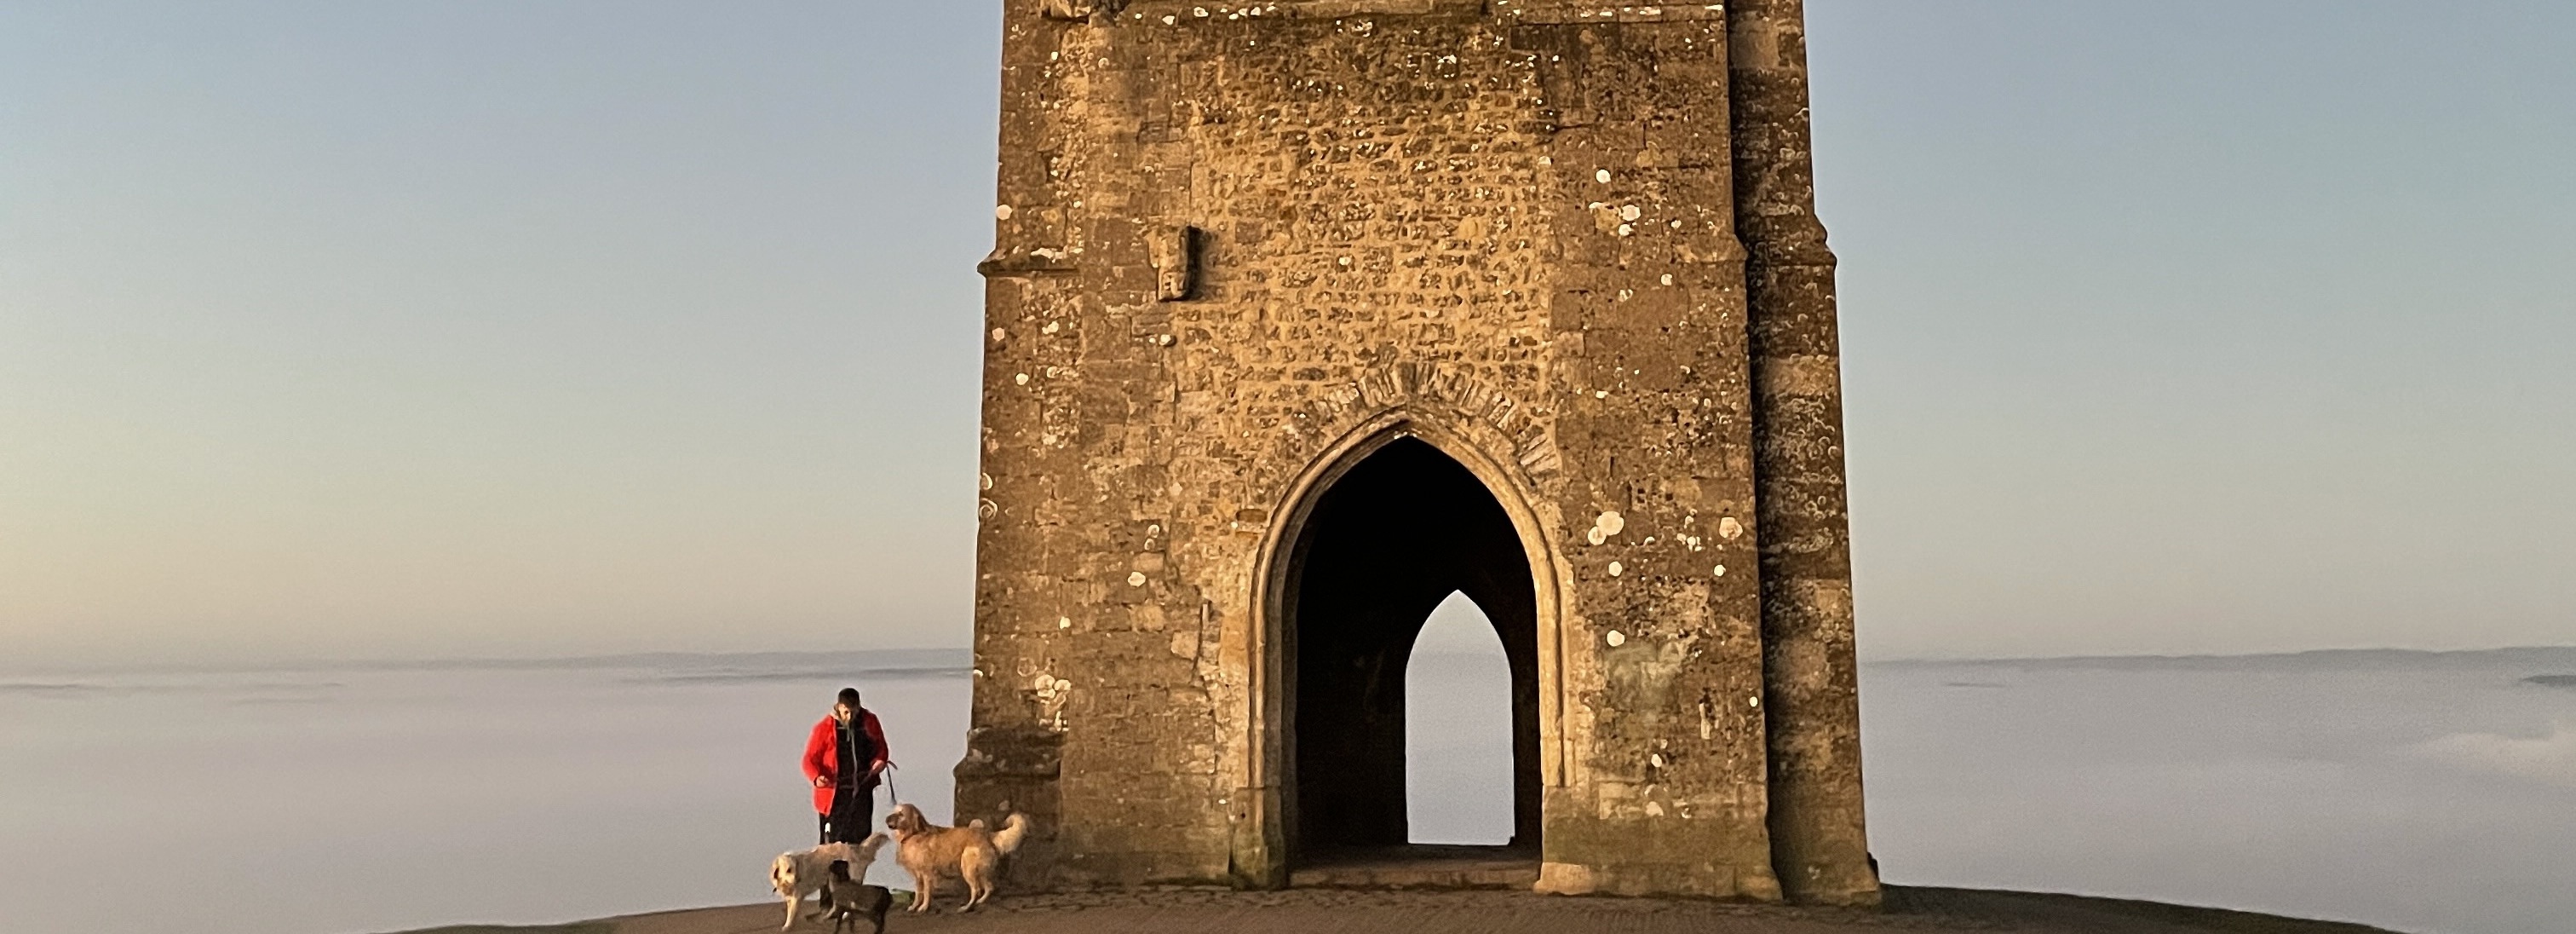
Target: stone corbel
pixel 1176 253
pixel 1005 263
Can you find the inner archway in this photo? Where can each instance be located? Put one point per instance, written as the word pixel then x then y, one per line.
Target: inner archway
pixel 1391 538
pixel 1457 738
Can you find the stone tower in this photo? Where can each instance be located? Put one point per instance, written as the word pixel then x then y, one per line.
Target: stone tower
pixel 1305 314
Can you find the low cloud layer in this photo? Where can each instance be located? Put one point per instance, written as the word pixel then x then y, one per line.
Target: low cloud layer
pixel 2549 758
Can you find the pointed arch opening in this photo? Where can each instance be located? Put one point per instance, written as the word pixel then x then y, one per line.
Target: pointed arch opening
pixel 1457 742
pixel 1384 543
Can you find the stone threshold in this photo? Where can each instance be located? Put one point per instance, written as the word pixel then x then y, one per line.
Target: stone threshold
pixel 1418 866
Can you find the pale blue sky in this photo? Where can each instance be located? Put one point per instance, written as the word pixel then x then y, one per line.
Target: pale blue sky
pixel 519 328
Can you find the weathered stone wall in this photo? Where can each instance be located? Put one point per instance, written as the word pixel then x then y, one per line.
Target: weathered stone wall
pixel 1233 239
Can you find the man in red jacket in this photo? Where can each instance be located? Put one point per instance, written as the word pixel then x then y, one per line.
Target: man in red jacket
pixel 844 758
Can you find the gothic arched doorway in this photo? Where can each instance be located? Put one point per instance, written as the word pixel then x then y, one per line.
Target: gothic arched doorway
pixel 1389 539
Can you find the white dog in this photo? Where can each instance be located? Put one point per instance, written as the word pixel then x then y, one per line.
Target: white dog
pixel 806 872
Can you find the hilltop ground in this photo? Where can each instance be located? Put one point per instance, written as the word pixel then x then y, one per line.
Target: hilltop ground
pixel 1306 911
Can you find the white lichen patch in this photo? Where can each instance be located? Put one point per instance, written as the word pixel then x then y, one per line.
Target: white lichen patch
pixel 1052 693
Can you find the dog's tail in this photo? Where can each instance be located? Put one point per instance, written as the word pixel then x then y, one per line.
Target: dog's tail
pixel 1015 828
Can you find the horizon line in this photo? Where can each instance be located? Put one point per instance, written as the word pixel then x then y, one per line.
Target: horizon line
pixel 616 659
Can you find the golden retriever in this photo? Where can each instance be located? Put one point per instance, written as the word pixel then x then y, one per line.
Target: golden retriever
pixel 932 853
pixel 806 872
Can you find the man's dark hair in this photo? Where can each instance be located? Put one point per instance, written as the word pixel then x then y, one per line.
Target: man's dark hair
pixel 850 696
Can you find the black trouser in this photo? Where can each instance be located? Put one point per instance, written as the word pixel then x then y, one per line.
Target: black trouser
pixel 853 812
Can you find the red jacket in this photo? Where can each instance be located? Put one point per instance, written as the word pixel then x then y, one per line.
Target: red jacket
pixel 823 756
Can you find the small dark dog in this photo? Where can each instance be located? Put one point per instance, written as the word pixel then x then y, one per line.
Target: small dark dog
pixel 847 900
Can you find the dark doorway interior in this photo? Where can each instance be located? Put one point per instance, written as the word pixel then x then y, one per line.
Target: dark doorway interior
pixel 1389 540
